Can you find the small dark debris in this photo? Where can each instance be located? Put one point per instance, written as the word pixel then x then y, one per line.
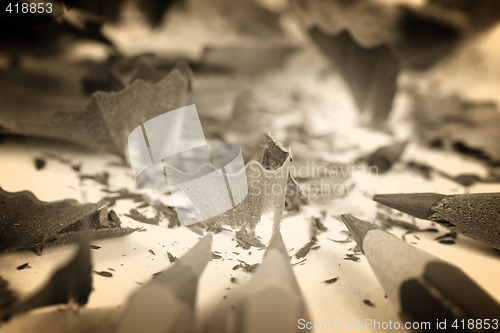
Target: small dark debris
pixel 369 303
pixel 94 247
pixel 216 256
pixel 341 241
pixel 39 163
pixel 447 241
pixel 168 212
pixel 245 240
pixel 111 269
pixel 23 266
pixel 317 226
pixel 352 257
pixel 104 273
pixel 171 257
pixel 233 279
pixel 156 274
pixel 305 249
pixel 134 214
pixel 300 262
pixel 246 267
pixel 332 280
pixel 152 252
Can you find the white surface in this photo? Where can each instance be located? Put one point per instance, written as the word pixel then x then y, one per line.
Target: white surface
pixel 133 263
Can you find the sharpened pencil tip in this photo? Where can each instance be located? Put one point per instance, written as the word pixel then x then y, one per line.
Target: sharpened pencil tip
pixel 415 204
pixel 357 227
pixel 277 243
pixel 199 255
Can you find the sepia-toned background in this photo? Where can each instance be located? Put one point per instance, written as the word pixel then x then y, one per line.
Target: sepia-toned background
pixel 332 81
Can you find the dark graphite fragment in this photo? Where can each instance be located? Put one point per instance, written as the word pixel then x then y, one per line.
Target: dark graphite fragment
pixel 171 257
pixel 104 273
pixel 39 163
pixel 246 267
pixel 136 215
pixel 247 240
pixel 332 280
pixel 368 302
pixel 352 257
pixel 304 250
pixel 23 266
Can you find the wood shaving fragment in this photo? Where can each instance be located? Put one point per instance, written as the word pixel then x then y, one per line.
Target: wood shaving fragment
pixel 332 280
pixel 352 257
pixel 104 273
pixel 171 257
pixel 23 266
pixel 368 302
pixel 136 215
pixel 246 241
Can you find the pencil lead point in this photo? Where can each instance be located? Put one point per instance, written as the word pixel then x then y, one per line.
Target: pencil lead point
pixel 357 227
pixel 277 243
pixel 415 204
pixel 199 255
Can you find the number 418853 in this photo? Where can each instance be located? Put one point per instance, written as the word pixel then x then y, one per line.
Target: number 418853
pixel 476 324
pixel 33 8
